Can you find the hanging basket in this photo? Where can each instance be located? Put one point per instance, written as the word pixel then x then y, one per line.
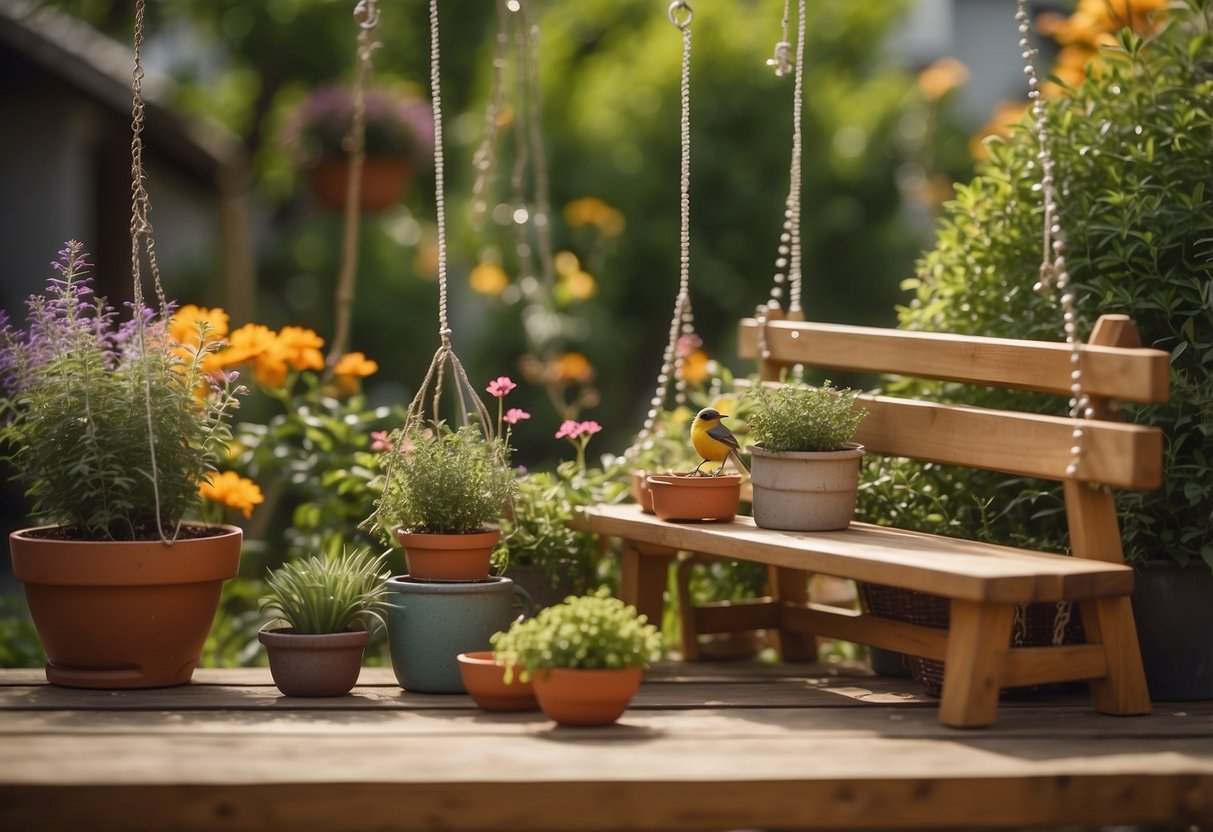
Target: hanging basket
pixel 385 181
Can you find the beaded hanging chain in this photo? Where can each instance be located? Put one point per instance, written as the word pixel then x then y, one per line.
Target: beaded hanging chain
pixel 683 321
pixel 1053 261
pixel 366 16
pixel 788 260
pixel 141 239
pixel 1053 269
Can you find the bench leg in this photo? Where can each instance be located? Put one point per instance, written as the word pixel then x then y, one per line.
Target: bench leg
pixel 643 576
pixel 979 636
pixel 1109 621
pixel 688 632
pixel 792 585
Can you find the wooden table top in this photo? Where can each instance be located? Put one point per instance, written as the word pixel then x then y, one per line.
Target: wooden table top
pixel 706 746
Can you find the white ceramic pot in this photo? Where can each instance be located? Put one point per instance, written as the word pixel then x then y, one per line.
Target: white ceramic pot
pixel 803 490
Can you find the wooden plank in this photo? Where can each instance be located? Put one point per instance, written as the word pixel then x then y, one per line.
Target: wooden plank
pixel 927 563
pixel 1062 663
pixel 863 628
pixel 979 638
pixel 643 575
pixel 1124 374
pixel 736 616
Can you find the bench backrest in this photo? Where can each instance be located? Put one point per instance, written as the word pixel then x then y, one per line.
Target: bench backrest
pixel 1114 366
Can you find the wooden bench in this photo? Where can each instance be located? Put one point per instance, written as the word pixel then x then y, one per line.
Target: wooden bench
pixel 984 584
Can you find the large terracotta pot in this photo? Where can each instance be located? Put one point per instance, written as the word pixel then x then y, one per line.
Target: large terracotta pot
pixel 449 557
pixel 123 614
pixel 321 664
pixel 586 697
pixel 803 490
pixel 385 180
pixel 682 497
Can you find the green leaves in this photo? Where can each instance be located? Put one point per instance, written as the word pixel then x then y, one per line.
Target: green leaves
pixel 797 417
pixel 319 595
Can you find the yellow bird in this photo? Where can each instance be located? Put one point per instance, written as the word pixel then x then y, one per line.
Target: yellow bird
pixel 713 441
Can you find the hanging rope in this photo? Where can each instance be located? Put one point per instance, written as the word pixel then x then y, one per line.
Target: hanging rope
pixel 366 15
pixel 141 239
pixel 682 323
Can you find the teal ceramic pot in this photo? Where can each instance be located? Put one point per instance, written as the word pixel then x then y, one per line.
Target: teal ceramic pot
pixel 429 623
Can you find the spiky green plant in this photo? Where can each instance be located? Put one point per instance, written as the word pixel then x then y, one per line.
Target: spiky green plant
pixel 797 417
pixel 320 595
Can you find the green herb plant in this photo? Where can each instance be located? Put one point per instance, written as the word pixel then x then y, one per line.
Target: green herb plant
pixel 77 417
pixel 1131 147
pixel 799 417
pixel 443 481
pixel 321 595
pixel 586 632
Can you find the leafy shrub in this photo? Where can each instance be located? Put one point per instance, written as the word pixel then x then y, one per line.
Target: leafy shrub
pixel 797 417
pixel 321 595
pixel 1131 149
pixel 587 632
pixel 443 481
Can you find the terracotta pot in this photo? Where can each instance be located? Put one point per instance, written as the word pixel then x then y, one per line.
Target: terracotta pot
pixel 325 664
pixel 805 491
pixel 449 557
pixel 641 493
pixel 123 614
pixel 485 681
pixel 385 180
pixel 693 498
pixel 586 697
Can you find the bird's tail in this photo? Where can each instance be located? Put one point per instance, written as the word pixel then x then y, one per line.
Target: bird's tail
pixel 737 460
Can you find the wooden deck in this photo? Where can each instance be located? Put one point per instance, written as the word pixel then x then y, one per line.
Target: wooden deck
pixel 706 746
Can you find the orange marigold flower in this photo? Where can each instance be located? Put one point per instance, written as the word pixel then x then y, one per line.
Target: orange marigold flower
pixel 356 365
pixel 246 344
pixel 572 366
pixel 301 348
pixel 941 77
pixel 488 279
pixel 184 325
pixel 695 367
pixel 593 211
pixel 230 489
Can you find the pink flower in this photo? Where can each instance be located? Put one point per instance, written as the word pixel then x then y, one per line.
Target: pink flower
pixel 515 415
pixel 568 430
pixel 589 428
pixel 380 441
pixel 500 386
pixel 687 344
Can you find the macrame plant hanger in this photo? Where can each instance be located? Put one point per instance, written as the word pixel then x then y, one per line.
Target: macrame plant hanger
pixel 445 360
pixel 682 323
pixel 141 240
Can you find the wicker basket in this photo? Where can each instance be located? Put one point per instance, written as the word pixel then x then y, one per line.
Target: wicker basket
pixel 1034 626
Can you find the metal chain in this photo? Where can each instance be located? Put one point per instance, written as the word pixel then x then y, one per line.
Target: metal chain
pixel 682 323
pixel 1053 271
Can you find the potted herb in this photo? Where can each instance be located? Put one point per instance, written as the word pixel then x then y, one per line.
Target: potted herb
pixel 399 142
pixel 444 494
pixel 585 657
pixel 805 468
pixel 114 426
pixel 328 606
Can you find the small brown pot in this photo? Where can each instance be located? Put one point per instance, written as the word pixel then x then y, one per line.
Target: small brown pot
pixel 586 697
pixel 679 497
pixel 640 491
pixel 485 681
pixel 449 557
pixel 325 664
pixel 385 180
pixel 123 614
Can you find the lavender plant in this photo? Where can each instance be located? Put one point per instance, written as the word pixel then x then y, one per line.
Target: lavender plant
pixel 80 391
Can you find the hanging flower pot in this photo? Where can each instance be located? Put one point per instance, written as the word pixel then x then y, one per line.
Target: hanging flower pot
pixel 325 664
pixel 385 181
pixel 123 614
pixel 808 491
pixel 695 498
pixel 586 697
pixel 449 557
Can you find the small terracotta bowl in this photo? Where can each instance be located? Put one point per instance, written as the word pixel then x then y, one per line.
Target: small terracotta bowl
pixel 695 499
pixel 640 491
pixel 485 683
